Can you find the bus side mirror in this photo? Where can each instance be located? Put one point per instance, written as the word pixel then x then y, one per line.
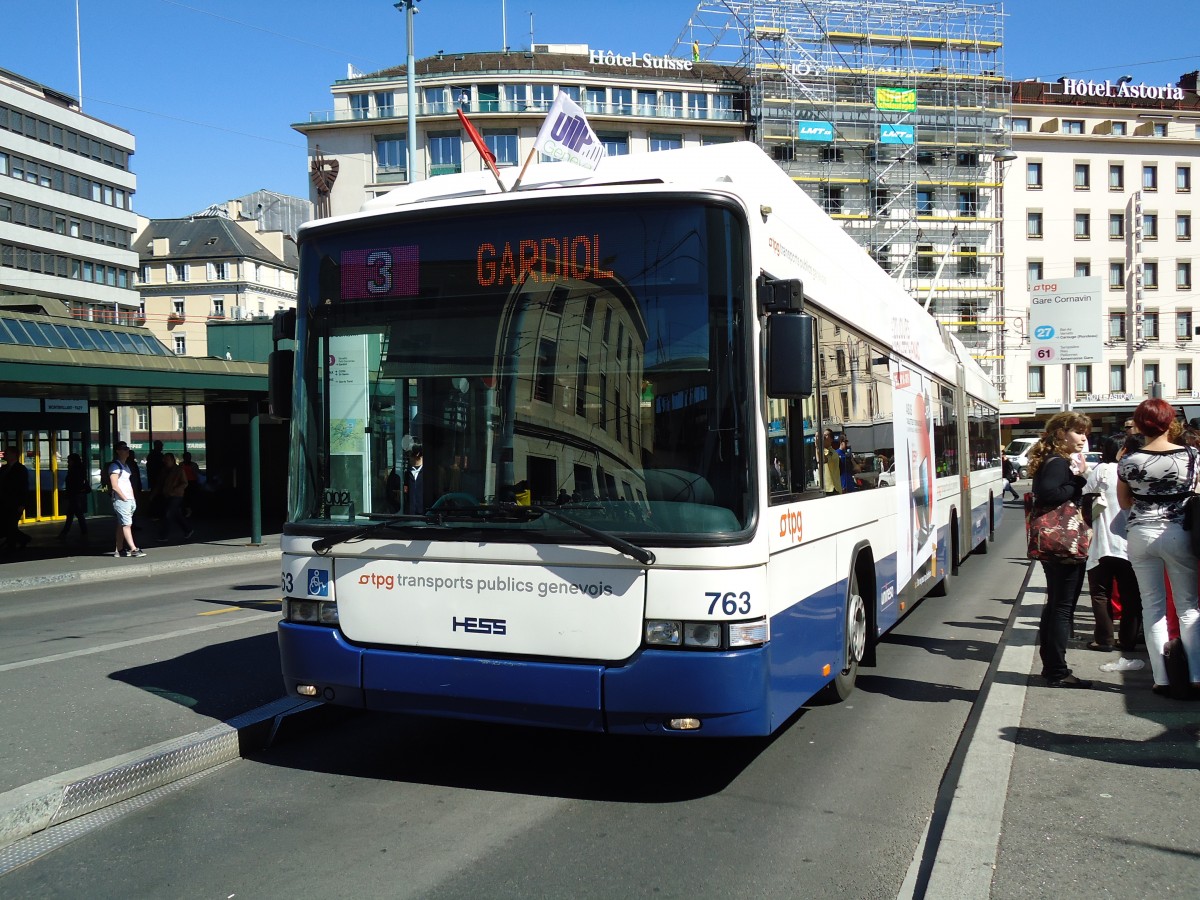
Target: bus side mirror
pixel 279 382
pixel 789 356
pixel 283 325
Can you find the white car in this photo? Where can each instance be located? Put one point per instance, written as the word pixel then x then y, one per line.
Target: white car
pixel 887 477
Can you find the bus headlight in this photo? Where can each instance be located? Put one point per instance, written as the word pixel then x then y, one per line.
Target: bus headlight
pixel 310 612
pixel 705 635
pixel 662 633
pixel 748 634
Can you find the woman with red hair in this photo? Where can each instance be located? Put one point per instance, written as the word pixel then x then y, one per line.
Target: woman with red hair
pixel 1153 484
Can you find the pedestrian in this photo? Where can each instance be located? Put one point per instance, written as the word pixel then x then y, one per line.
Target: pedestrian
pixel 1058 468
pixel 832 464
pixel 846 466
pixel 414 481
pixel 14 493
pixel 1009 470
pixel 76 488
pixel 1108 555
pixel 154 464
pixel 172 486
pixel 192 472
pixel 1154 483
pixel 120 483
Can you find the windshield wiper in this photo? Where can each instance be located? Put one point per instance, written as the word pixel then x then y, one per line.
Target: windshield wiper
pixel 399 520
pixel 517 513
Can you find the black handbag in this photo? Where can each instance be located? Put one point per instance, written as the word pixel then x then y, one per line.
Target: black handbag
pixel 1191 508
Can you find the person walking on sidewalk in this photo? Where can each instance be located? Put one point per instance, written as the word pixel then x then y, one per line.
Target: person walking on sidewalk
pixel 1108 557
pixel 1058 468
pixel 172 485
pixel 1009 470
pixel 14 494
pixel 76 487
pixel 120 483
pixel 1154 484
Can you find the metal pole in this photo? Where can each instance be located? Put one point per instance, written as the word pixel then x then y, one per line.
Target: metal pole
pixel 1067 387
pixel 413 175
pixel 79 55
pixel 255 475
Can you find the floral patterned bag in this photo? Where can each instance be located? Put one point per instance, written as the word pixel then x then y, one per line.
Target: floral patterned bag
pixel 1057 533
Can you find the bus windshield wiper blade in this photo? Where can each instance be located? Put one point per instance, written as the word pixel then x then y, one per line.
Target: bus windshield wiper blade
pixel 641 554
pixel 325 544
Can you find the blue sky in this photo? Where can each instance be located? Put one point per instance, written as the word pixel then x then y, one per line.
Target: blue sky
pixel 210 88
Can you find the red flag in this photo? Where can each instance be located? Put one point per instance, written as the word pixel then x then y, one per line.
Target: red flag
pixel 477 139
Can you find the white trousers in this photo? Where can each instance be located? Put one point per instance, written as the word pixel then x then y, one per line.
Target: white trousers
pixel 1154 546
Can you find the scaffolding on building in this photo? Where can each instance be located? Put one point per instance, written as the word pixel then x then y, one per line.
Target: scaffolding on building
pixel 893 115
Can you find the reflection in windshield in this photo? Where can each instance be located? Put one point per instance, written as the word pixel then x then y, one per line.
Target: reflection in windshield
pixel 586 363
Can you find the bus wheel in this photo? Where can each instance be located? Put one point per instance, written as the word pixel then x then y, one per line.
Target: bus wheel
pixel 856 641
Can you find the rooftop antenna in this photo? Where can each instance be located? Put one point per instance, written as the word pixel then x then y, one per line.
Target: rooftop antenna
pixel 531 30
pixel 503 27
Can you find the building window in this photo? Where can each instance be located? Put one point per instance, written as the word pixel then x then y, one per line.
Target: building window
pixel 1150 326
pixel 218 307
pixel 1033 175
pixel 503 145
pixel 180 345
pixel 1183 276
pixel 1150 226
pixel 622 101
pixel 1150 276
pixel 514 98
pixel 1034 270
pixel 665 142
pixel 1037 381
pixel 1116 177
pixel 1083 380
pixel 360 106
pixel 1072 126
pixel 1183 227
pixel 1149 375
pixel 178 271
pixel 1022 125
pixel 831 199
pixel 1183 325
pixel 1116 326
pixel 924 202
pixel 1160 129
pixel 445 153
pixel 1083 268
pixel 614 144
pixel 1116 378
pixel 968 203
pixel 1033 225
pixel 1083 177
pixel 968 263
pixel 385 103
pixel 1150 178
pixel 1083 226
pixel 177 307
pixel 1116 225
pixel 1183 377
pixel 593 99
pixel 1119 128
pixel 391 155
pixel 1183 179
pixel 926 264
pixel 1116 274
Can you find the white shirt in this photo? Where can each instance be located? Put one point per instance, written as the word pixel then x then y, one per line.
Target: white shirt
pixel 124 480
pixel 1102 481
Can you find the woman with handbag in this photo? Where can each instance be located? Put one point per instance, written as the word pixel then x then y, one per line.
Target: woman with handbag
pixel 1058 468
pixel 1154 485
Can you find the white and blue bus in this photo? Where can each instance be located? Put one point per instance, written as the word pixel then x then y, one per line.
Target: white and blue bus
pixel 654 450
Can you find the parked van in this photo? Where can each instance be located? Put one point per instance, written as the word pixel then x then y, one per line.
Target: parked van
pixel 1018 451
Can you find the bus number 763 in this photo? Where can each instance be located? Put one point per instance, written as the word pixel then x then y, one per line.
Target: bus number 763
pixel 730 604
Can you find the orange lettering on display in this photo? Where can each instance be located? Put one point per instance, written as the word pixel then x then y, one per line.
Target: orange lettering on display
pixel 540 259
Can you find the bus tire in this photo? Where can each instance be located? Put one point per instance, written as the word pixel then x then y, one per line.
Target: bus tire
pixel 954 544
pixel 855 642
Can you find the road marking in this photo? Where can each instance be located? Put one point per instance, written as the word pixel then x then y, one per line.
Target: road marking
pixel 226 609
pixel 104 648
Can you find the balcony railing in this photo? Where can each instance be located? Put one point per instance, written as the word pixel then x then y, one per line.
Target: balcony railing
pixel 516 107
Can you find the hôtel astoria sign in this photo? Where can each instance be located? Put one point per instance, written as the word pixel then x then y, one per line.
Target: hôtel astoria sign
pixel 1074 87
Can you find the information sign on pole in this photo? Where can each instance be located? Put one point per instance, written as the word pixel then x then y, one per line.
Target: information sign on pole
pixel 1066 321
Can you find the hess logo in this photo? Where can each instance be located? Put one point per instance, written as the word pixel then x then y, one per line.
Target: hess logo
pixel 790 523
pixel 473 625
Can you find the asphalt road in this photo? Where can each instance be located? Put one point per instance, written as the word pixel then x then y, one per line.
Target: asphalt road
pixel 834 805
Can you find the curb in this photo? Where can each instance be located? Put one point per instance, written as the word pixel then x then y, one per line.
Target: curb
pixel 52 801
pixel 137 570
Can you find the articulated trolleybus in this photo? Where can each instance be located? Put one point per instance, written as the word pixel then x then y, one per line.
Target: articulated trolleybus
pixel 655 450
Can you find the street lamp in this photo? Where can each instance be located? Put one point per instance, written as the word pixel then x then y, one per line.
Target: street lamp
pixel 410 9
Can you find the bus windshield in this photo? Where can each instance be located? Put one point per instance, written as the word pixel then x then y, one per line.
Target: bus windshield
pixel 590 357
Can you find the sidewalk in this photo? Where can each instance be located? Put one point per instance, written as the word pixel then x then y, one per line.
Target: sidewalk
pixel 47 561
pixel 1065 792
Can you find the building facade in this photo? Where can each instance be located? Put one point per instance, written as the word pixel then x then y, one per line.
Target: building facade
pixel 1102 186
pixel 635 102
pixel 66 203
